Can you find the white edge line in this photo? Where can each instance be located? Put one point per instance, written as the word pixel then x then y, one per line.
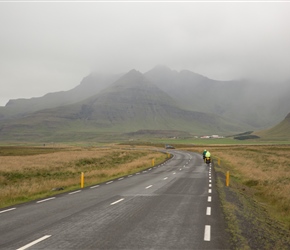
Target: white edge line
pixel 121 178
pixel 34 242
pixel 95 186
pixel 75 192
pixel 207 233
pixel 46 200
pixel 109 182
pixel 7 210
pixel 149 186
pixel 113 203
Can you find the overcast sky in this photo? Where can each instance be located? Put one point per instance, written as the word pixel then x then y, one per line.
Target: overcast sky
pixel 48 47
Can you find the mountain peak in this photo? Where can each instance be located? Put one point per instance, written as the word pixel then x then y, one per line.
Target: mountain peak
pixel 134 72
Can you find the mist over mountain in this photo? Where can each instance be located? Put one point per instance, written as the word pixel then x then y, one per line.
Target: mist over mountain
pixel 90 85
pixel 280 131
pixel 257 104
pixel 160 99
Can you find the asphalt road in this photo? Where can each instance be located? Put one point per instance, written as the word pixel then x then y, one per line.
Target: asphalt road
pixel 171 206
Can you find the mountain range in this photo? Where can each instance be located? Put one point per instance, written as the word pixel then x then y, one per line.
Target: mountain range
pixel 158 100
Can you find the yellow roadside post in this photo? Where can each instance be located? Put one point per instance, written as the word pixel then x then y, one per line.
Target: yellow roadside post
pixel 228 179
pixel 82 179
pixel 219 161
pixel 153 162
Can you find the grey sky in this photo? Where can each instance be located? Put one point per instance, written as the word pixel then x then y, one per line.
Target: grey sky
pixel 48 47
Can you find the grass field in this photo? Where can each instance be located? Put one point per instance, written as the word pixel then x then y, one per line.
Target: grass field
pixel 28 173
pixel 259 175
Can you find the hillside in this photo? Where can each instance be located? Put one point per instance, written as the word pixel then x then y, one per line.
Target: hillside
pixel 160 99
pixel 258 104
pixel 279 132
pixel 89 86
pixel 130 104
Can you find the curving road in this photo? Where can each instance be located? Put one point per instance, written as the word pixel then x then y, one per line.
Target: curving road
pixel 171 206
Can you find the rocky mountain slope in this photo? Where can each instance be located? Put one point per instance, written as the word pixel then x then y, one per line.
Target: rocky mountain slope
pixel 131 103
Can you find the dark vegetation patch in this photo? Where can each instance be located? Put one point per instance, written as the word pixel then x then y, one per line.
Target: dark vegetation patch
pixel 246 137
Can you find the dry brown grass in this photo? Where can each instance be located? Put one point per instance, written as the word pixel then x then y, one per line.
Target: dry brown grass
pixel 28 177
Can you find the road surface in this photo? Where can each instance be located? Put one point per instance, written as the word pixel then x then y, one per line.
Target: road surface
pixel 170 206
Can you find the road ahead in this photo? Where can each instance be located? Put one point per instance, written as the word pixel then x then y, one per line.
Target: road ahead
pixel 171 206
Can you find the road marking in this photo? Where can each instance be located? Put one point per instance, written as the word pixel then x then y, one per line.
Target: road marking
pixel 207 233
pixel 109 182
pixel 174 173
pixel 150 169
pixel 121 178
pixel 113 203
pixel 144 172
pixel 130 175
pixel 208 211
pixel 209 199
pixel 46 200
pixel 95 186
pixel 7 210
pixel 34 242
pixel 149 186
pixel 209 177
pixel 209 185
pixel 209 191
pixel 137 173
pixel 209 180
pixel 75 192
pixel 180 169
pixel 165 178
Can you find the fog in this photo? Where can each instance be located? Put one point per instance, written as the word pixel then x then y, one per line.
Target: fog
pixel 48 47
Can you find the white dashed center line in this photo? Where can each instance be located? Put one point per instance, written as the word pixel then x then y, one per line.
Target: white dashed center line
pixel 149 186
pixel 113 203
pixel 34 242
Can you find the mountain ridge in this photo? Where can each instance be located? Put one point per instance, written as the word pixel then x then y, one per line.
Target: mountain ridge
pixel 130 104
pixel 158 99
